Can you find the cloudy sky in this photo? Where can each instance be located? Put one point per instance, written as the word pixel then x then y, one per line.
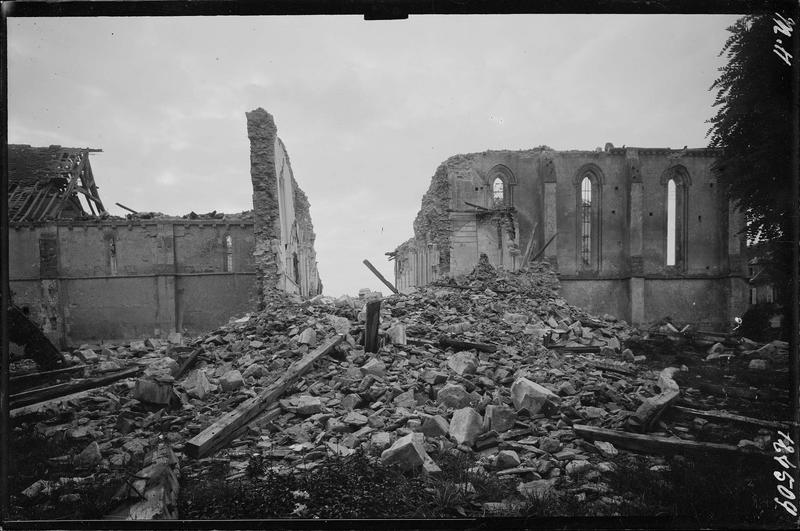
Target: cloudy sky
pixel 366 109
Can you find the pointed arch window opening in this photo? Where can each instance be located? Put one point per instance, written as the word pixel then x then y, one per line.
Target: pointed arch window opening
pixel 498 192
pixel 672 226
pixel 586 221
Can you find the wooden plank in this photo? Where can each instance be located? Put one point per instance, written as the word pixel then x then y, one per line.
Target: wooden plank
pixel 581 349
pixel 189 362
pixel 652 408
pixel 371 328
pixel 40 395
pixel 724 415
pixel 40 407
pixel 33 378
pixel 466 345
pixel 229 424
pixel 380 277
pixel 543 248
pixel 653 444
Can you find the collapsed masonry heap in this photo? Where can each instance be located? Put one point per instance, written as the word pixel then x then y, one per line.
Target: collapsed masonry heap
pixel 514 404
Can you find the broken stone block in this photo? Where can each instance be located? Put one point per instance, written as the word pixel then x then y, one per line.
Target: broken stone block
pixel 430 468
pixel 138 347
pixel 537 488
pixel 341 325
pixel 107 366
pixel 433 377
pixel 549 444
pixel 350 402
pixel 90 457
pixel 197 385
pixel 566 389
pixel 577 467
pixel 434 426
pixel 407 452
pixel 507 459
pixel 175 338
pixel 531 396
pixel 463 362
pixel 397 334
pixel 606 448
pixel 515 318
pixel 375 367
pixel 231 381
pixel 308 337
pixel 153 391
pixel 405 399
pixel 627 355
pixel 499 418
pixel 355 418
pixel 381 440
pixel 87 356
pixel 486 440
pixel 757 365
pixel 255 370
pixel 308 405
pixel 465 426
pixel 453 395
pixel 613 343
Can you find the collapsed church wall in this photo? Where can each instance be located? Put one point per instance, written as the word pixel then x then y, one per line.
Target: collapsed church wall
pixel 641 233
pixel 284 235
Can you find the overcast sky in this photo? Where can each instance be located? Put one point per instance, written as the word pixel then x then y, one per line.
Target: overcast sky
pixel 367 109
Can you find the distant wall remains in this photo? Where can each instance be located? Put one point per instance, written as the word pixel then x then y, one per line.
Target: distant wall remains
pixel 83 281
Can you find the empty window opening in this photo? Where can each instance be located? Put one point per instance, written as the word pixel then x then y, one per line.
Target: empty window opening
pixel 498 191
pixel 228 253
pixel 699 219
pixel 586 221
pixel 296 268
pixel 671 222
pixel 613 211
pixel 112 254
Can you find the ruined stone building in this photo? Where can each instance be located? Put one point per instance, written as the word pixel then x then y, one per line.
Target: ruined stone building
pixel 640 233
pixel 83 275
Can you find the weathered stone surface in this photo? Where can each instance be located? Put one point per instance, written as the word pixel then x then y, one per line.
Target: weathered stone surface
pixel 231 381
pixel 197 385
pixel 87 356
pixel 307 405
pixel 757 365
pixel 153 391
pixel 499 418
pixel 434 377
pixel 407 452
pixel 397 334
pixel 549 444
pixel 453 395
pixel 435 426
pixel 577 467
pixel 405 399
pixel 531 396
pixel 90 457
pixel 255 370
pixel 308 337
pixel 465 426
pixel 537 488
pixel 463 362
pixel 375 367
pixel 507 459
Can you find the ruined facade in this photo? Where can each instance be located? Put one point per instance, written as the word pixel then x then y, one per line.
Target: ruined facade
pixel 84 276
pixel 639 233
pixel 284 235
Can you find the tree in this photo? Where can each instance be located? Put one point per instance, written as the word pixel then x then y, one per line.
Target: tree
pixel 754 128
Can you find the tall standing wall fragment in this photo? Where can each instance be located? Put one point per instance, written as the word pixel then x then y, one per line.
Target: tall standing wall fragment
pixel 284 235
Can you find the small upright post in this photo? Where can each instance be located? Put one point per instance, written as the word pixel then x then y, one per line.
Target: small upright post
pixel 371 329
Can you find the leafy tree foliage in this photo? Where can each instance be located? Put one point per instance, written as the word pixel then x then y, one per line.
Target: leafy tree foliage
pixel 753 127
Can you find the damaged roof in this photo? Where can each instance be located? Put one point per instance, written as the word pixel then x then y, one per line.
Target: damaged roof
pixel 47 183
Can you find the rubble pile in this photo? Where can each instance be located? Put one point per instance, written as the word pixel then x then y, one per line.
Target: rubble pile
pixel 537 367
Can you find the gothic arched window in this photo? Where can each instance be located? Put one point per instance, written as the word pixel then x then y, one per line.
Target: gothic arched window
pixel 588 182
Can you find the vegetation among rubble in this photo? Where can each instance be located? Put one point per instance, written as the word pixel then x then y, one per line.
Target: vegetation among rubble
pixel 46 485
